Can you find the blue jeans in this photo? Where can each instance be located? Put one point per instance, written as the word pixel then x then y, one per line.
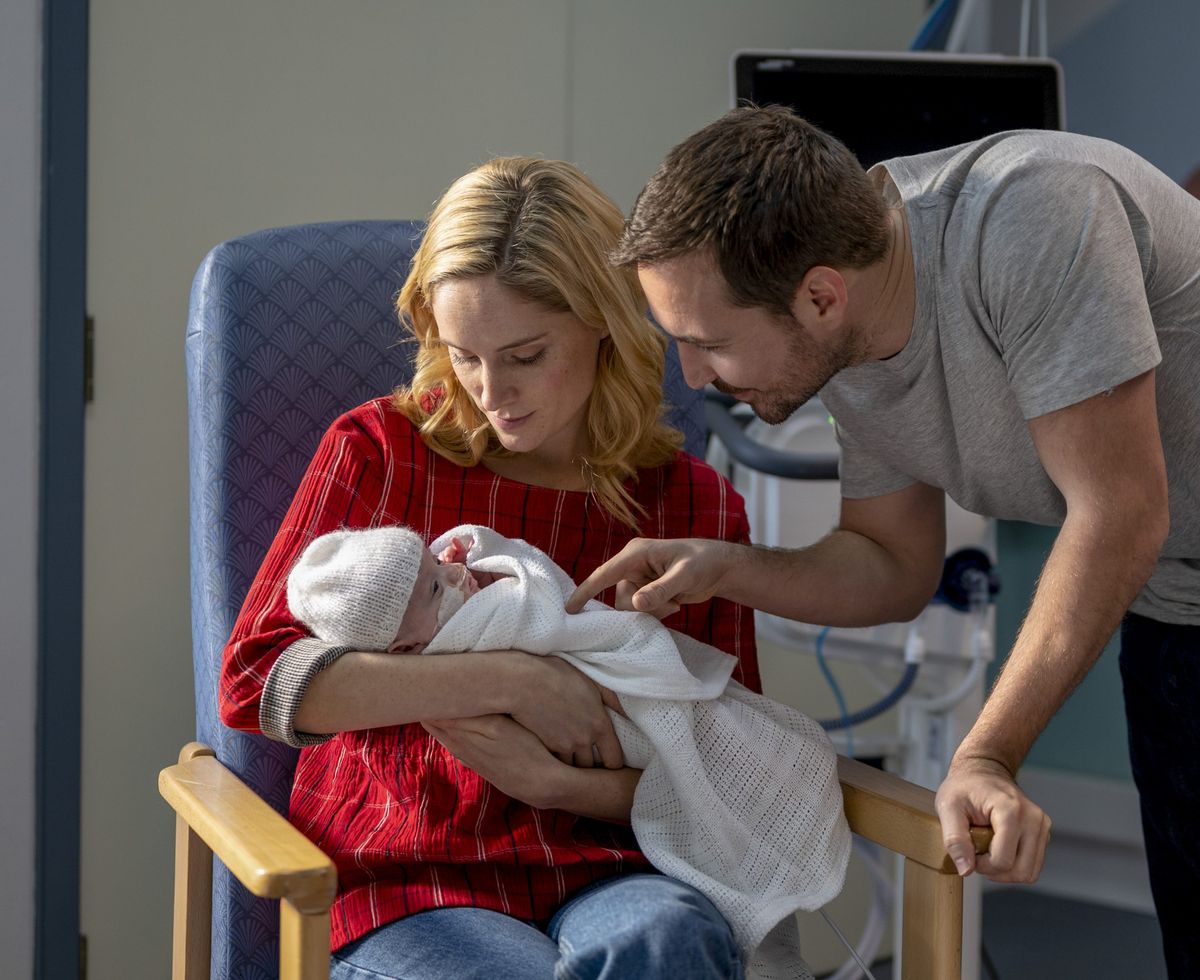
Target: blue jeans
pixel 1160 671
pixel 643 926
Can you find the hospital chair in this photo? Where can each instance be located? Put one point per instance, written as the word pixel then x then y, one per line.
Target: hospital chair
pixel 287 328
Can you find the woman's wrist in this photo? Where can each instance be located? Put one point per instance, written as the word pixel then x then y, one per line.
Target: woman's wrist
pixel 604 794
pixel 516 681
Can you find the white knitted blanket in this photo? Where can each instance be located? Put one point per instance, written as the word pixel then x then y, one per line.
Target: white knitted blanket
pixel 739 796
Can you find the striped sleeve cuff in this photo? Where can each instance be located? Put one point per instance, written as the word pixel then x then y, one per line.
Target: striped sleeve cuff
pixel 286 686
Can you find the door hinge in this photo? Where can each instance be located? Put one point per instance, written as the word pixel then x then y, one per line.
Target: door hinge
pixel 89 358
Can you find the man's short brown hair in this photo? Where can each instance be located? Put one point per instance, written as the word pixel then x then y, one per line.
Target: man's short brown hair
pixel 770 194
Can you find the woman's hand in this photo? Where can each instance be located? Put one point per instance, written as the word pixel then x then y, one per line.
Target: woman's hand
pixel 567 710
pixel 504 753
pixel 515 761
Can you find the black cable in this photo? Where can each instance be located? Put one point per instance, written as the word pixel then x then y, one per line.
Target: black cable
pixel 774 462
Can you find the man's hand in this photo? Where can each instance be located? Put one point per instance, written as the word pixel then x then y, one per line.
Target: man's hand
pixel 981 792
pixel 657 577
pixel 564 708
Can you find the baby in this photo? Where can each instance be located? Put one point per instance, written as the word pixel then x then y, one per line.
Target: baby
pixel 381 589
pixel 738 794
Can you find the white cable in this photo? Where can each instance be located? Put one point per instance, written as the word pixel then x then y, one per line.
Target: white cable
pixel 877 917
pixel 949 699
pixel 980 646
pixel 1043 36
pixel 877 675
pixel 914 641
pixel 1025 11
pixel 962 23
pixel 863 968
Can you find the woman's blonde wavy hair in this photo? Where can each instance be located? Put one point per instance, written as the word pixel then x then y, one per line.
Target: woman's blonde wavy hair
pixel 544 230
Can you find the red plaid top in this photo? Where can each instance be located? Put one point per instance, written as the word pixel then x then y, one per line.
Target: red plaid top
pixel 407 825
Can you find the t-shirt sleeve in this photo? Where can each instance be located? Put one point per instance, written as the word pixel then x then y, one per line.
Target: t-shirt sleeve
pixel 1063 283
pixel 270 657
pixel 862 474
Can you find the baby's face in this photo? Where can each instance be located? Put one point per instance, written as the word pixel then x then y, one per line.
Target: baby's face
pixel 442 586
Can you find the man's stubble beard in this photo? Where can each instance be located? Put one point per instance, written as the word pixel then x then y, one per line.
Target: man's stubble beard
pixel 815 366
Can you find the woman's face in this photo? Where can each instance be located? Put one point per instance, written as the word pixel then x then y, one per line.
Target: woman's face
pixel 529 369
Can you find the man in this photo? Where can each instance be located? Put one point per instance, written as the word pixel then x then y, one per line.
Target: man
pixel 1015 322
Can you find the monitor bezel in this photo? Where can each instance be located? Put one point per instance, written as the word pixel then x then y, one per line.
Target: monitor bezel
pixel 905 63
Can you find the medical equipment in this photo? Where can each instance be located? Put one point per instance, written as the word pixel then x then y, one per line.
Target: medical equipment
pixel 884 104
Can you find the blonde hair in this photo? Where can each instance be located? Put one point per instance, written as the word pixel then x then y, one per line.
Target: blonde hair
pixel 544 230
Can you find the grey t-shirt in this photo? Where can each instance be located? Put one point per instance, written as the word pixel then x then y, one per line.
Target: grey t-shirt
pixel 1050 267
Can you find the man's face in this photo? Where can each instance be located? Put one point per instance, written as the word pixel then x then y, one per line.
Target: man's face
pixel 759 357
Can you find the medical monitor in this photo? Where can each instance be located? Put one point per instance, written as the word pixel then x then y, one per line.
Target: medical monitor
pixel 884 105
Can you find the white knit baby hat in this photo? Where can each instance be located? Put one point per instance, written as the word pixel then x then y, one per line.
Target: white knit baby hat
pixel 352 587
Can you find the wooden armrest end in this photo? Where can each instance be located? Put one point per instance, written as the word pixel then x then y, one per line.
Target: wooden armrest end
pixel 898 815
pixel 265 852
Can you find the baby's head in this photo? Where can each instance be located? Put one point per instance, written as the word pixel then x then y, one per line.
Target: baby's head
pixel 378 589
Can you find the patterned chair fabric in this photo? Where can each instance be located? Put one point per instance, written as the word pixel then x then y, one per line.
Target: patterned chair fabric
pixel 287 329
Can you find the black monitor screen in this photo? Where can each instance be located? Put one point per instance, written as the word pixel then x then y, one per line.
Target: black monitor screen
pixel 883 106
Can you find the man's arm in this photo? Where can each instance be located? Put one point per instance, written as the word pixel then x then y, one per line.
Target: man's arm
pixel 881 564
pixel 1105 456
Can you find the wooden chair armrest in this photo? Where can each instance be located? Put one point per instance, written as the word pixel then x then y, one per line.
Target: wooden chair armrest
pixel 898 815
pixel 263 851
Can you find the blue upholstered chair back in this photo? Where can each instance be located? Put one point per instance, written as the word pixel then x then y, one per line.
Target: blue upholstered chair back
pixel 287 329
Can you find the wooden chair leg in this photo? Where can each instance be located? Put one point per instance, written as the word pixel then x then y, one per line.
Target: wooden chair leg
pixel 303 944
pixel 932 942
pixel 191 953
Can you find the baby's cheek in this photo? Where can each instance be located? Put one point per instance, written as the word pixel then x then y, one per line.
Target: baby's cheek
pixel 451 603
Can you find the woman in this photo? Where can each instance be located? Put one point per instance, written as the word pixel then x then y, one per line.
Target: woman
pixel 501 847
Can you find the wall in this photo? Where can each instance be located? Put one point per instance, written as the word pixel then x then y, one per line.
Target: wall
pixel 20 221
pixel 1133 75
pixel 210 120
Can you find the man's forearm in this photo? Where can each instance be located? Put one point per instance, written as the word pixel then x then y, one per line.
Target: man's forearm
pixel 1091 576
pixel 845 579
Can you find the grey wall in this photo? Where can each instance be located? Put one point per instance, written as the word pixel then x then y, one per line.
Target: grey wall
pixel 1133 76
pixel 20 183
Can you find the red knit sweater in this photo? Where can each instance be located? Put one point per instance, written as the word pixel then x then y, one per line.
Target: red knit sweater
pixel 408 827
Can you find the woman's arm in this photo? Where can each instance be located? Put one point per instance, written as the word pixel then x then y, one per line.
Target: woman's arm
pixel 546 695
